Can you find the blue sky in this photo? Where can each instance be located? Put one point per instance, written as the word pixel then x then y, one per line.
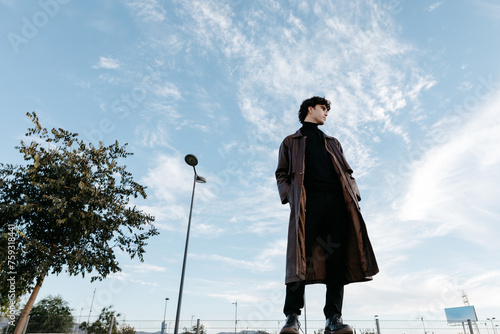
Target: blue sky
pixel 415 91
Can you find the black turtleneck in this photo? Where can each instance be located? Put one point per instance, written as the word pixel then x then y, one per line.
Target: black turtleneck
pixel 320 176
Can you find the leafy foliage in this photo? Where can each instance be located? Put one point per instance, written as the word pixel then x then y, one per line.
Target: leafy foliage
pixel 126 329
pixel 101 325
pixel 193 330
pixel 49 315
pixel 68 209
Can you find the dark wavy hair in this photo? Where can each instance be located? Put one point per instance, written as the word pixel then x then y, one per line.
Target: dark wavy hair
pixel 311 102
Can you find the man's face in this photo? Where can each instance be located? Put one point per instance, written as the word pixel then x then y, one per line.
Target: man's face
pixel 317 114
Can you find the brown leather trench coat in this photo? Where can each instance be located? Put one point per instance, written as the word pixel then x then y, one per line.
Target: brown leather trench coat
pixel 360 262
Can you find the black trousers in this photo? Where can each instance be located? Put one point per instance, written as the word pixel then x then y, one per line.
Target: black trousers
pixel 326 222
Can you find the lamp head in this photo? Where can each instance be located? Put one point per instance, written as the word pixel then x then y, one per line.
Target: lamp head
pixel 191 160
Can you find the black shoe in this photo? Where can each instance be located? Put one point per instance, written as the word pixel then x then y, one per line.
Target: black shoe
pixel 334 325
pixel 292 325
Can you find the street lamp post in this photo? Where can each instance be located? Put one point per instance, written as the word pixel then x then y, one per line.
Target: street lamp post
pixel 377 323
pixel 164 314
pixel 91 304
pixel 492 325
pixel 235 315
pixel 487 329
pixel 423 324
pixel 191 160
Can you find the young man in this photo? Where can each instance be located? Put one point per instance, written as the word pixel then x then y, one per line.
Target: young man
pixel 327 238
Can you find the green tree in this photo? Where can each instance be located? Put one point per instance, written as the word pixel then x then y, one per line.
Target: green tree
pixel 193 330
pixel 126 329
pixel 101 325
pixel 67 209
pixel 50 315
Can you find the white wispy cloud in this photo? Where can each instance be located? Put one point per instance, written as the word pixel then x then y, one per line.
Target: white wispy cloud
pixel 157 134
pixel 264 261
pixel 145 268
pixel 149 10
pixel 433 6
pixel 213 27
pixel 465 86
pixel 265 294
pixel 450 189
pixel 168 178
pixel 351 64
pixel 127 279
pixel 432 291
pixel 208 231
pixel 107 63
pixel 170 183
pixel 168 89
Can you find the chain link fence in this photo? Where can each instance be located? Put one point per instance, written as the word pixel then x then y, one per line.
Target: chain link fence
pixel 417 326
